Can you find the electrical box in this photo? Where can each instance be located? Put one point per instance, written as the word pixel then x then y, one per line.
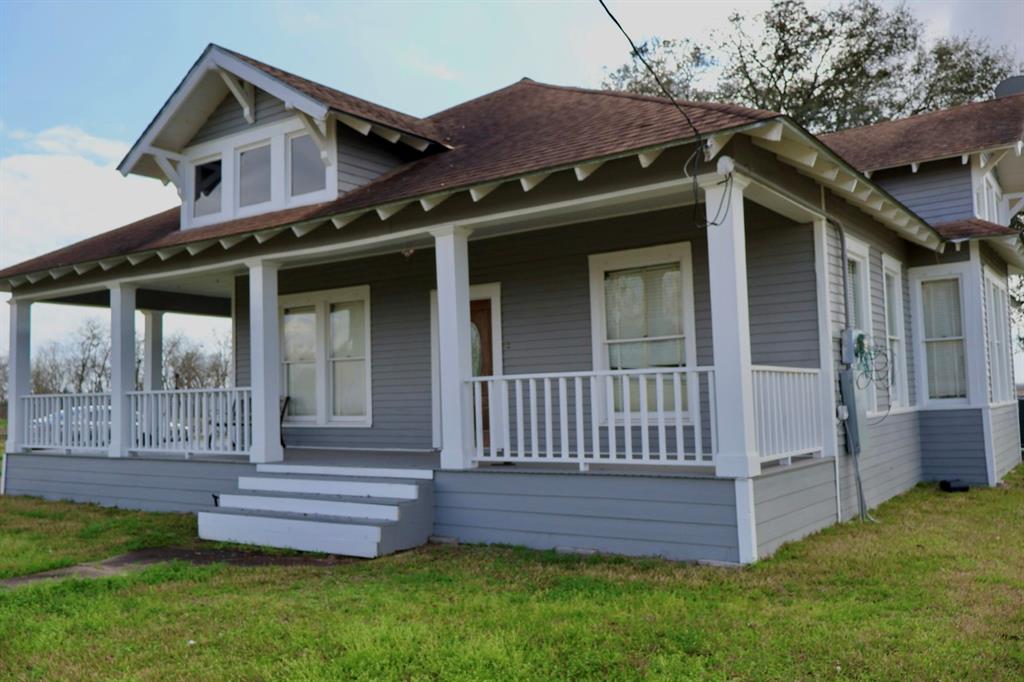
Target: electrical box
pixel 853 342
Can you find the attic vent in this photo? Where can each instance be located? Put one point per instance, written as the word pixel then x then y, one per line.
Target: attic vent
pixel 1014 85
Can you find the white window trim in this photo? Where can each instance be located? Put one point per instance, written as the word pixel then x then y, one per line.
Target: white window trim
pixel 321 302
pixel 991 277
pixel 477 292
pixel 599 264
pixel 891 266
pixel 859 252
pixel 973 334
pixel 227 148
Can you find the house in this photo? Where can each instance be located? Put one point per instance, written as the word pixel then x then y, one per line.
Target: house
pixel 547 316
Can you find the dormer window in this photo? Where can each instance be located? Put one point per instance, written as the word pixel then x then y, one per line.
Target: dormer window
pixel 264 168
pixel 207 200
pixel 254 176
pixel 305 166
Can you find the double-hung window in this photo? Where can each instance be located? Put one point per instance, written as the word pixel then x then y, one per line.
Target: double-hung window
pixel 858 279
pixel 998 331
pixel 943 338
pixel 642 316
pixel 895 333
pixel 325 342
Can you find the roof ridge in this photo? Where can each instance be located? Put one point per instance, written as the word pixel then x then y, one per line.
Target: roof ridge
pixel 712 106
pixel 318 84
pixel 923 114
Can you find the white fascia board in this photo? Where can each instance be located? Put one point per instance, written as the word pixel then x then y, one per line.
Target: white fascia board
pixel 212 59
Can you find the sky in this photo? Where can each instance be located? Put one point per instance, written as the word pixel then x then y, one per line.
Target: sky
pixel 79 81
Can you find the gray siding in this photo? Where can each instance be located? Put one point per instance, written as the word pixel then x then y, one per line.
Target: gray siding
pixel 940 191
pixel 361 158
pixel 992 259
pixel 782 292
pixel 241 357
pixel 890 461
pixel 953 445
pixel 793 502
pixel 1005 438
pixel 227 118
pixel 129 483
pixel 688 519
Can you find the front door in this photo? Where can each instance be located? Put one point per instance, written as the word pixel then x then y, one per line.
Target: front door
pixel 483 357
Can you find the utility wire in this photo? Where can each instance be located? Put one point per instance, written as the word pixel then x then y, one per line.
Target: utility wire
pixel 698 152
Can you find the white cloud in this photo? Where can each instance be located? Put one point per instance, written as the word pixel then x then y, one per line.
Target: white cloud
pixel 61 189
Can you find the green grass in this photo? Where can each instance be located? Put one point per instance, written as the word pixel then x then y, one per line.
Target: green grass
pixel 935 591
pixel 37 535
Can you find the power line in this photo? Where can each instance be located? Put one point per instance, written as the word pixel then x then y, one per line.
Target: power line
pixel 698 152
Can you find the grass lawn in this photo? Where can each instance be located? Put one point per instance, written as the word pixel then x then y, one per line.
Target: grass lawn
pixel 935 591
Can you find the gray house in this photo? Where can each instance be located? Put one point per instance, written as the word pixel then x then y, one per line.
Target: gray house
pixel 548 316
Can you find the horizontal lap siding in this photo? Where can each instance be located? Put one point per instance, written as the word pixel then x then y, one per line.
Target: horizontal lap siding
pixel 363 158
pixel 1005 438
pixel 890 461
pixel 227 118
pixel 782 292
pixel 953 445
pixel 677 518
pixel 129 483
pixel 940 191
pixel 792 503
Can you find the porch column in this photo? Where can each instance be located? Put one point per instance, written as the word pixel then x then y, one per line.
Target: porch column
pixel 122 366
pixel 153 351
pixel 454 346
pixel 265 359
pixel 19 372
pixel 730 328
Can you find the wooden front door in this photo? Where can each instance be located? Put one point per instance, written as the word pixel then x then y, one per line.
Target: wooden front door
pixel 483 356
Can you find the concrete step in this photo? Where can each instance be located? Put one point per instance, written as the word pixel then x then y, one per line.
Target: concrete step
pixel 309 533
pixel 344 470
pixel 405 489
pixel 380 508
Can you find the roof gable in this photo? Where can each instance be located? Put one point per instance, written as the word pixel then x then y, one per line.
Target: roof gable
pixel 220 73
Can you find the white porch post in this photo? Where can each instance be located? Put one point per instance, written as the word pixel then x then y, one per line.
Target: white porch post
pixel 19 372
pixel 455 351
pixel 730 327
pixel 265 358
pixel 122 366
pixel 153 351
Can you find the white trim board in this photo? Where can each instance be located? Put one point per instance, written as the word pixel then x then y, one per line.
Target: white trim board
pixel 477 292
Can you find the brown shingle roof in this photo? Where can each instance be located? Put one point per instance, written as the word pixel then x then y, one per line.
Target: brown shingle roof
pixel 935 135
pixel 522 128
pixel 973 228
pixel 346 103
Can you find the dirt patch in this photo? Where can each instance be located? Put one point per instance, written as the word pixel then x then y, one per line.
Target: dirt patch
pixel 133 561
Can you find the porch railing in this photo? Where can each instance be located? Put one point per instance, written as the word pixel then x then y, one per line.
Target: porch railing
pixel 203 420
pixel 787 412
pixel 644 416
pixel 78 421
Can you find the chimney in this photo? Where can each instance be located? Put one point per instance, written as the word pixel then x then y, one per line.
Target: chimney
pixel 1014 85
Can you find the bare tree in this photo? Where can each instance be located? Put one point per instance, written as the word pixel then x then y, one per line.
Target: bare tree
pixel 3 386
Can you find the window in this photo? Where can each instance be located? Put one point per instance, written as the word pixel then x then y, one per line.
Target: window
pixel 299 353
pixel 895 331
pixel 943 338
pixel 643 313
pixel 206 196
pixel 265 167
pixel 326 356
pixel 857 277
pixel 307 170
pixel 998 328
pixel 254 176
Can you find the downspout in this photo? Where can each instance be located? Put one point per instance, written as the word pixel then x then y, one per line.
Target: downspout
pixel 846 377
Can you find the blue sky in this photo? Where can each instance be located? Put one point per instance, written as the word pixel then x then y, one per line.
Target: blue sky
pixel 80 80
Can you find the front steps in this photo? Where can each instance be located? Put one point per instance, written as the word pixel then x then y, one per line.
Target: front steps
pixel 354 511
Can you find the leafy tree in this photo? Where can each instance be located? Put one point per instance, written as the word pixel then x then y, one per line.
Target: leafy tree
pixel 841 66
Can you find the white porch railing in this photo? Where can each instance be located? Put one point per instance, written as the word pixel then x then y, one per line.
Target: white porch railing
pixel 72 421
pixel 787 412
pixel 658 416
pixel 202 420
